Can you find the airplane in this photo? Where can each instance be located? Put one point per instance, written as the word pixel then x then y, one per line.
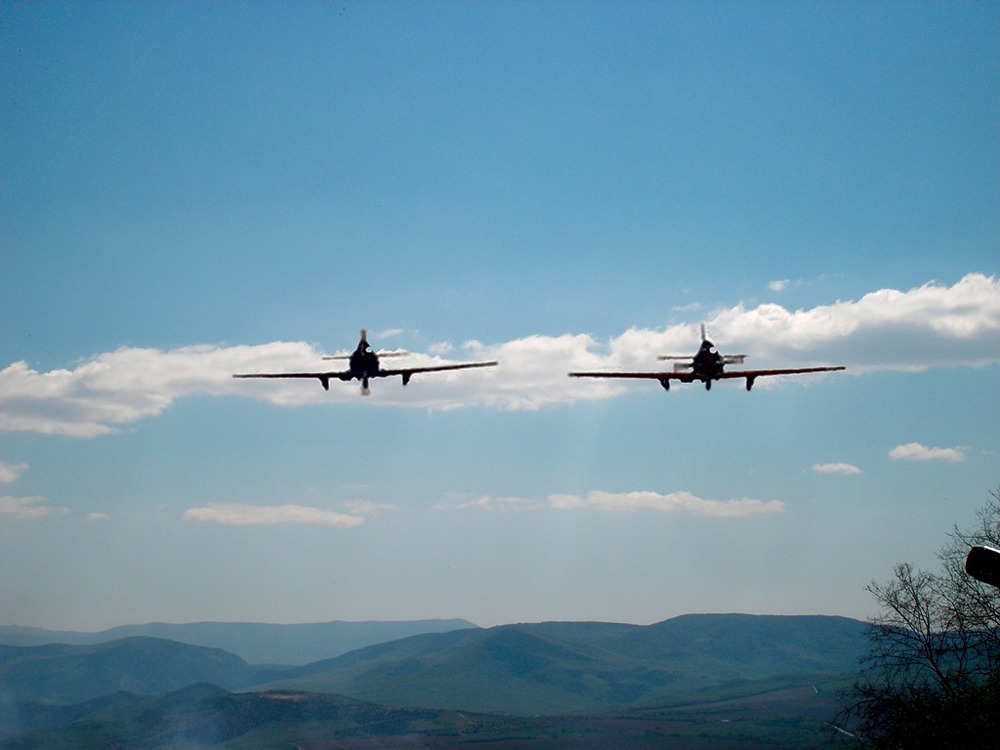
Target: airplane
pixel 707 365
pixel 364 365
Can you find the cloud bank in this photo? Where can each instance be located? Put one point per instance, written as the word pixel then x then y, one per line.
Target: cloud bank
pixel 929 326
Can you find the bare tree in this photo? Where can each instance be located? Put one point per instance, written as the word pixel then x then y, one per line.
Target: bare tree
pixel 933 669
pixel 976 605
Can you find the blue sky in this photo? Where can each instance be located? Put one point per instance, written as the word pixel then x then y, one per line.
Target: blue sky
pixel 194 189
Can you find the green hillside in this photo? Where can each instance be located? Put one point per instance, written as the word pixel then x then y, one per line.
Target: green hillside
pixel 574 667
pixel 145 666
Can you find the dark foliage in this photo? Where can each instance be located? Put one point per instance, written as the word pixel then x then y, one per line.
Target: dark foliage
pixel 208 718
pixel 924 717
pixel 933 677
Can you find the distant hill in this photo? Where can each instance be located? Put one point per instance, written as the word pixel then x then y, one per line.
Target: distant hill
pixel 257 643
pixel 570 667
pixel 61 673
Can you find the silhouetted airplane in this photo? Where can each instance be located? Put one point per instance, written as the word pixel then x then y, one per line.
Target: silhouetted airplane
pixel 364 365
pixel 707 365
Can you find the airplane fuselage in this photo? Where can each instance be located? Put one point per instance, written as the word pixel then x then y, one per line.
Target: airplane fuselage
pixel 364 363
pixel 707 365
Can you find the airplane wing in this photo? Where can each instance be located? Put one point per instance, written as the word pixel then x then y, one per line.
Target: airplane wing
pixel 323 377
pixel 762 373
pixel 408 372
pixel 686 377
pixel 751 375
pixel 664 378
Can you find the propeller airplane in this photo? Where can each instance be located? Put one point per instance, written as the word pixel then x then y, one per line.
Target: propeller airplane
pixel 364 364
pixel 707 365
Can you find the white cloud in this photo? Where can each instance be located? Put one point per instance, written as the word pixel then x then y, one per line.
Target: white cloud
pixel 676 502
pixel 129 384
pixel 441 349
pixel 492 504
pixel 23 508
pixel 97 516
pixel 930 326
pixel 918 452
pixel 368 508
pixel 780 285
pixel 11 472
pixel 847 469
pixel 237 514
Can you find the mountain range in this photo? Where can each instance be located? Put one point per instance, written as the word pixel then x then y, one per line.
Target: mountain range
pixel 257 643
pixel 568 669
pixel 561 667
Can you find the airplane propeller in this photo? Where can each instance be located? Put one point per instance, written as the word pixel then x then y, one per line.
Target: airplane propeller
pixel 686 362
pixel 393 353
pixel 683 361
pixel 364 337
